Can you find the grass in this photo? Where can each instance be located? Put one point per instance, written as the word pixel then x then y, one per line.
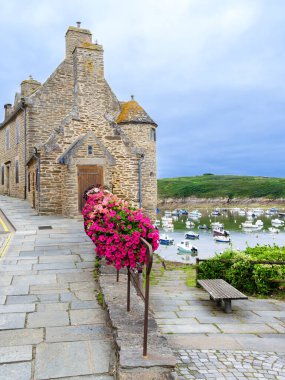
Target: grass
pixel 226 186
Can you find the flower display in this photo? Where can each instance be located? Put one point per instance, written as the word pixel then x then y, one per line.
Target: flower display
pixel 116 228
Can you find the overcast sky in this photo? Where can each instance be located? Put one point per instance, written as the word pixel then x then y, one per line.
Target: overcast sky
pixel 210 72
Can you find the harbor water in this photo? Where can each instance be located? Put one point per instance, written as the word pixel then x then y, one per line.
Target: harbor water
pixel 206 245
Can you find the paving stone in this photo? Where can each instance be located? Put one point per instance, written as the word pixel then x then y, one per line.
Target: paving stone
pixel 17 308
pixel 59 259
pixel 63 306
pixel 15 371
pixel 245 328
pixel 48 318
pixel 15 354
pixel 36 279
pixel 76 333
pixel 21 337
pixel 14 290
pixel 85 305
pixel 86 316
pixel 64 265
pixel 27 299
pixel 68 277
pixel 186 329
pixel 79 358
pixel 89 377
pixel 89 295
pixel 2 300
pixel 12 321
pixel 48 298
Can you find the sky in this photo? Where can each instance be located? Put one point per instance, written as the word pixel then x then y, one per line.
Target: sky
pixel 210 73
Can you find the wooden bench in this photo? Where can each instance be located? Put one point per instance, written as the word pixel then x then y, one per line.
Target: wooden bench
pixel 221 291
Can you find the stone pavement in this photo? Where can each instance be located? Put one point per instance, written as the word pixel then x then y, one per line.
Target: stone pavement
pixel 249 343
pixel 51 325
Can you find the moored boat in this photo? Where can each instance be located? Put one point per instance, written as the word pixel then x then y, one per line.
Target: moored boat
pixel 166 240
pixel 222 239
pixel 191 235
pixel 186 247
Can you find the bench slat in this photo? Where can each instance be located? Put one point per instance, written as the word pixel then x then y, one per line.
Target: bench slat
pixel 221 290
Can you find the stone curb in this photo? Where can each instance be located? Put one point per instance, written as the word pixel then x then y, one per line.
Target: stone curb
pixel 128 334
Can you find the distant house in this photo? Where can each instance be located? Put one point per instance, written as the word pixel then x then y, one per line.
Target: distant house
pixel 71 132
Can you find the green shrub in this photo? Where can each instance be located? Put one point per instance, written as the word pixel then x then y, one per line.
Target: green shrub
pixel 244 275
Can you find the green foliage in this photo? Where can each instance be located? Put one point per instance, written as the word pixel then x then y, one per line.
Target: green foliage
pixel 227 186
pixel 239 271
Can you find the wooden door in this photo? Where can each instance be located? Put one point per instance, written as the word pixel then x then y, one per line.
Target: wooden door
pixel 88 175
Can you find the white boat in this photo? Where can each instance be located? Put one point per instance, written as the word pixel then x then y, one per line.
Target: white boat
pixel 258 211
pixel 249 225
pixel 166 219
pixel 195 214
pixel 242 212
pixel 222 239
pixel 259 223
pixel 217 225
pixel 191 235
pixel 157 223
pixel 220 232
pixel 189 223
pixel 186 247
pixel 273 230
pixel 166 240
pixel 167 213
pixel 235 209
pixel 175 212
pixel 277 222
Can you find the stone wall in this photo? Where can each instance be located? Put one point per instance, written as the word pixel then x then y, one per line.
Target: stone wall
pixel 74 108
pixel 10 155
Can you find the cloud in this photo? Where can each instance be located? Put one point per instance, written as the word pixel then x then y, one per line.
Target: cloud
pixel 209 72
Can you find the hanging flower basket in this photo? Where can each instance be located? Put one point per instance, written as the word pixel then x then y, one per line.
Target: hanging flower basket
pixel 116 228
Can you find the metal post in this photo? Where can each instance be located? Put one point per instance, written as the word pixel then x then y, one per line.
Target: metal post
pixel 118 275
pixel 146 307
pixel 197 270
pixel 129 291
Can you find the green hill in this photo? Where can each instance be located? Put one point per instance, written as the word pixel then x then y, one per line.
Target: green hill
pixel 213 186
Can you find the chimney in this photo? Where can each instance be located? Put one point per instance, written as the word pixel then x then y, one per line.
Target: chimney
pixel 8 108
pixel 29 86
pixel 74 37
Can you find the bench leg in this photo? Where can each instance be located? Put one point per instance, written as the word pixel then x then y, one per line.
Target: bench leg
pixel 219 302
pixel 227 306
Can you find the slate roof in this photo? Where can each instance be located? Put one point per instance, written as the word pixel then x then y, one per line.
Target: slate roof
pixel 133 113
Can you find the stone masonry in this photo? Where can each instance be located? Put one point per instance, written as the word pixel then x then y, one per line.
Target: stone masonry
pixel 73 120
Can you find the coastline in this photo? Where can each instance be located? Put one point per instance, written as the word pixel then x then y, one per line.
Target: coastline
pixel 190 202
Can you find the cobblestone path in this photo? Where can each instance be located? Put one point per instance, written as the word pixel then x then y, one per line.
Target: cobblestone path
pixel 209 344
pixel 51 325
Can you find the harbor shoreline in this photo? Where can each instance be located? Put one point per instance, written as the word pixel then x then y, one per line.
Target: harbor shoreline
pixel 190 202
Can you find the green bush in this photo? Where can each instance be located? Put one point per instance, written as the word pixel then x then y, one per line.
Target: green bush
pixel 251 278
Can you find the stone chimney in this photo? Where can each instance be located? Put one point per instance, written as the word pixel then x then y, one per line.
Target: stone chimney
pixel 75 37
pixel 8 109
pixel 29 86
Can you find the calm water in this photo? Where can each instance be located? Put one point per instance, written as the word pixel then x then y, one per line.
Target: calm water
pixel 207 247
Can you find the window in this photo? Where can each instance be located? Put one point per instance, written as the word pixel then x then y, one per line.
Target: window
pixel 2 175
pixel 29 182
pixel 90 149
pixel 17 171
pixel 17 132
pixel 8 138
pixel 152 134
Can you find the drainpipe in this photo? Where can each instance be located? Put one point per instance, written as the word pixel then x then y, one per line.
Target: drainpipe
pixel 24 108
pixel 37 157
pixel 140 179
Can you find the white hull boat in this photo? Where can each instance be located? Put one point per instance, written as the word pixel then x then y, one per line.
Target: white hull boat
pixel 187 247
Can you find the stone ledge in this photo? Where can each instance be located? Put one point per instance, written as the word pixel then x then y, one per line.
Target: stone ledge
pixel 128 334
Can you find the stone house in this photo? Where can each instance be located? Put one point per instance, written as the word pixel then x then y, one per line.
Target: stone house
pixel 71 132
